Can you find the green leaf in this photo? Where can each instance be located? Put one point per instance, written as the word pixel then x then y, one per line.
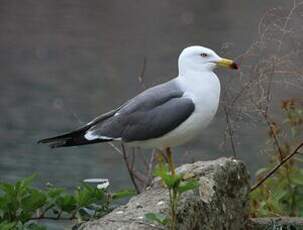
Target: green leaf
pixel 156 217
pixel 161 170
pixel 297 179
pixel 171 181
pixel 27 181
pixel 87 194
pixel 19 201
pixel 7 188
pixel 53 192
pixel 35 200
pixel 3 203
pixel 188 185
pixel 279 194
pixel 66 203
pixel 7 225
pixel 123 194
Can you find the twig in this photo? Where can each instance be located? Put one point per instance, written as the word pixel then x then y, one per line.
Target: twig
pixel 271 128
pixel 139 176
pixel 269 87
pixel 115 148
pixel 273 133
pixel 230 131
pixel 145 162
pixel 129 168
pixel 284 28
pixel 141 76
pixel 150 169
pixel 274 169
pixel 132 164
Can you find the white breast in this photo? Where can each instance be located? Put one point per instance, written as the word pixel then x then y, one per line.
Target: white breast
pixel 204 90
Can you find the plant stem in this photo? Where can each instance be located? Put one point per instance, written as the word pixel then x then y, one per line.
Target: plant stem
pixel 175 209
pixel 173 206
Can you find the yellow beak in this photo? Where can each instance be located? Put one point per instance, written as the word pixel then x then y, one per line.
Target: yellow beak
pixel 227 63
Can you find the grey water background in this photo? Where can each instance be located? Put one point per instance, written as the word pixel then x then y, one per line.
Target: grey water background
pixel 64 62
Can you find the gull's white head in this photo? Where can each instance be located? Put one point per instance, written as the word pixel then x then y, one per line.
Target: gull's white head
pixel 201 59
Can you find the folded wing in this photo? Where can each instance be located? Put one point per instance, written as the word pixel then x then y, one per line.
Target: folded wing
pixel 151 114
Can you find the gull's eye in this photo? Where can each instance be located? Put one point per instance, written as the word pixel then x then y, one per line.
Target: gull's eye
pixel 203 54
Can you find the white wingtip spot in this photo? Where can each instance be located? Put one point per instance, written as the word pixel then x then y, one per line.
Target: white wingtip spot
pixel 90 136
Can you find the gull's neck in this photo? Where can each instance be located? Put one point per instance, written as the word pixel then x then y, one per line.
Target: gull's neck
pixel 197 79
pixel 199 82
pixel 197 75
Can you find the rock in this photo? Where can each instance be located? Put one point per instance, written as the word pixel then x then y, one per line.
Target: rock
pixel 219 203
pixel 276 223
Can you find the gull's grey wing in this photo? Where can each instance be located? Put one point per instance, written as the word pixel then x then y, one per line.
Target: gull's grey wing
pixel 151 114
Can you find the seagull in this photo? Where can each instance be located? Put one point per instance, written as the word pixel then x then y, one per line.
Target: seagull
pixel 163 116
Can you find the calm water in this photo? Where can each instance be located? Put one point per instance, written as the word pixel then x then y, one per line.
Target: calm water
pixel 64 62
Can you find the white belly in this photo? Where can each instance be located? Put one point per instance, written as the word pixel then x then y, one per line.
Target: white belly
pixel 206 99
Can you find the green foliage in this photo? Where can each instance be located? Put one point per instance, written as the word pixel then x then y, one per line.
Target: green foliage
pixel 21 204
pixel 19 201
pixel 186 186
pixel 281 194
pixel 176 186
pixel 171 181
pixel 19 226
pixel 123 193
pixel 175 182
pixel 157 217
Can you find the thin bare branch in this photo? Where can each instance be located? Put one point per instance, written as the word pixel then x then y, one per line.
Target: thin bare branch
pixel 129 169
pixel 274 169
pixel 230 131
pixel 115 148
pixel 141 76
pixel 273 133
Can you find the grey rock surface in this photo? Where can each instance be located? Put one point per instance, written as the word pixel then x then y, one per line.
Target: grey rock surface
pixel 295 223
pixel 219 203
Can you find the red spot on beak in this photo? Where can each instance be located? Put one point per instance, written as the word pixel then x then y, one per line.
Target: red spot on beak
pixel 234 66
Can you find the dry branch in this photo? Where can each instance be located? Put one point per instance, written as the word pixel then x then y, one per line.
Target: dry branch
pixel 274 169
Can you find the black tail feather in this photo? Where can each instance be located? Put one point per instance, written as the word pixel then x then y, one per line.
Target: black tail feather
pixel 70 139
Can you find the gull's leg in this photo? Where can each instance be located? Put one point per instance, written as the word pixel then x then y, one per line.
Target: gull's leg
pixel 170 161
pixel 160 162
pixel 159 158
